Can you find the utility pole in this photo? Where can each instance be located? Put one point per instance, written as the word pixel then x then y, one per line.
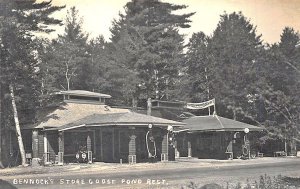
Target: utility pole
pixel 207 86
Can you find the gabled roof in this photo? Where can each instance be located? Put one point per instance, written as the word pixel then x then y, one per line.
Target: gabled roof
pixel 120 119
pixel 217 123
pixel 84 93
pixel 71 112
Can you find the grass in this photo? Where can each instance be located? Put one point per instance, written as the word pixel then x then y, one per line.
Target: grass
pixel 264 182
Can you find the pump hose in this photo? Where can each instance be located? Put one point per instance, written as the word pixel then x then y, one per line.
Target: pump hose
pixel 149 153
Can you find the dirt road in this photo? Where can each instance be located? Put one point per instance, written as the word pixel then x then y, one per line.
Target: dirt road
pixel 159 175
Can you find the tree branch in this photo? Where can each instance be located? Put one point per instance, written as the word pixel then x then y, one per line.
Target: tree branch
pixel 282 113
pixel 294 67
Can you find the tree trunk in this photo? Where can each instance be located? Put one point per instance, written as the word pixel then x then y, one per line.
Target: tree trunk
pixel 285 142
pixel 18 130
pixel 134 103
pixel 1 129
pixel 285 146
pixel 149 106
pixel 234 114
pixel 68 84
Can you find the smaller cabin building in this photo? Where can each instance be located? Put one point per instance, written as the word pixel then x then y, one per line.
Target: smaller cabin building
pixel 216 137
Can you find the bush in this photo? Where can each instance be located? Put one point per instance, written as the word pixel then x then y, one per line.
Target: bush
pixel 264 182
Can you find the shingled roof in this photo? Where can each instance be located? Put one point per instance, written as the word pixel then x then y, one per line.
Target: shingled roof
pixel 217 123
pixel 119 119
pixel 84 93
pixel 71 112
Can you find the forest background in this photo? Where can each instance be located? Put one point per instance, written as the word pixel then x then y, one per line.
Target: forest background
pixel 147 57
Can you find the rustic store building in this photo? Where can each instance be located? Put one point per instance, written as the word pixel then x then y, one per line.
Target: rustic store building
pixel 84 129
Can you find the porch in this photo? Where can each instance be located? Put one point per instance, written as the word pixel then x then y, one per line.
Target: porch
pixel 112 138
pixel 216 144
pixel 216 137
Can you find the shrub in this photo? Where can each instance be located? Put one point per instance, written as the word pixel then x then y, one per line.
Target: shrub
pixel 264 182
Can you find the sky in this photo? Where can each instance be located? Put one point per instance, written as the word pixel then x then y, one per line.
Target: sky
pixel 270 16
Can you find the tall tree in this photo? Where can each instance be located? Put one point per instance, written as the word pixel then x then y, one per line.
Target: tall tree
pixel 104 76
pixel 65 69
pixel 73 28
pixel 281 91
pixel 249 81
pixel 149 46
pixel 96 80
pixel 228 59
pixel 197 56
pixel 18 19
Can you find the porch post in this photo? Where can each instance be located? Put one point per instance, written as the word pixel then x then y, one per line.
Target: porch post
pixel 46 153
pixel 61 147
pixel 164 147
pixel 189 148
pixel 35 148
pixel 89 147
pixel 177 154
pixel 35 142
pixel 132 147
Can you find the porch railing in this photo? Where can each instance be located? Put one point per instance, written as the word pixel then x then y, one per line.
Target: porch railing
pixel 164 157
pixel 132 159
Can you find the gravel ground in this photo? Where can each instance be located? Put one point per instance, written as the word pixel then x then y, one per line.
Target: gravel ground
pixel 115 167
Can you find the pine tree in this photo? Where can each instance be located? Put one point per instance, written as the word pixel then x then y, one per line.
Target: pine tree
pixel 17 72
pixel 18 21
pixel 281 98
pixel 101 70
pixel 148 45
pixel 63 59
pixel 228 59
pixel 196 69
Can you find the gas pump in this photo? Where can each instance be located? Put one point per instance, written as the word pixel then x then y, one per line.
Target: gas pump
pixel 171 143
pixel 150 143
pixel 246 145
pixel 81 155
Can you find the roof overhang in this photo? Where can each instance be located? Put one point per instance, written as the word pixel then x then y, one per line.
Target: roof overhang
pixel 226 130
pixel 62 128
pixel 84 93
